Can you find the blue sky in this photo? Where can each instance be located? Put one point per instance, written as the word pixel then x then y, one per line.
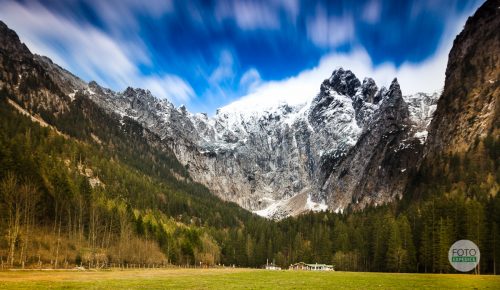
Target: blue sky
pixel 207 54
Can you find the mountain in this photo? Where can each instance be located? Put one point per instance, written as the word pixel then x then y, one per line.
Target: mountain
pixel 469 106
pixel 282 160
pixel 269 161
pixel 461 154
pixel 94 187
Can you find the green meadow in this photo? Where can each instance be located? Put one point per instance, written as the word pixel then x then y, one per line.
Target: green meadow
pixel 238 279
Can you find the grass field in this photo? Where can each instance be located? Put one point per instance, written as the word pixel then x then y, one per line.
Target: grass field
pixel 238 279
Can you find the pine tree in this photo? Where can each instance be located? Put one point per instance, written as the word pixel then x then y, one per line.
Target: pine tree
pixel 396 254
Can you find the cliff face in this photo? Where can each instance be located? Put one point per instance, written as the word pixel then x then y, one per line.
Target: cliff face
pixel 377 168
pixel 469 106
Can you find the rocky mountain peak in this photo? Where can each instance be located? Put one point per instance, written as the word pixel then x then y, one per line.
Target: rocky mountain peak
pixel 94 85
pixel 368 90
pixel 344 82
pixel 394 87
pixel 129 91
pixel 394 93
pixel 9 41
pixel 138 95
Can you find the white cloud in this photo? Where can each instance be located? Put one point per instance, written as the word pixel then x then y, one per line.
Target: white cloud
pixel 427 76
pixel 252 15
pixel 115 15
pixel 372 11
pixel 330 31
pixel 169 86
pixel 225 69
pixel 87 51
pixel 250 80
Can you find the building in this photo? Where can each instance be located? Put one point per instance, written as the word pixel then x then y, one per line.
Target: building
pixel 311 267
pixel 271 266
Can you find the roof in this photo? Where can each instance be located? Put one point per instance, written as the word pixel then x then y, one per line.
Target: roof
pixel 312 265
pixel 319 265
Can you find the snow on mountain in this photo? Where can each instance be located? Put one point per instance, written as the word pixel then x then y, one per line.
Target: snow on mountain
pixel 271 158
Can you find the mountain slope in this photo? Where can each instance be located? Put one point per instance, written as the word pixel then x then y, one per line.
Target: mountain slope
pixel 469 106
pixel 376 169
pixel 463 143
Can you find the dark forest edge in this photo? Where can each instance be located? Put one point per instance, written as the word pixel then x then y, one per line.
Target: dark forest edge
pixel 95 202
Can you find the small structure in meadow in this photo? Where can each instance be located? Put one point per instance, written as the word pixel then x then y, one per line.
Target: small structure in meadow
pixel 271 266
pixel 311 267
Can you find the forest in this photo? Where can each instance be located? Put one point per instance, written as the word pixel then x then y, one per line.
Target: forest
pixel 97 196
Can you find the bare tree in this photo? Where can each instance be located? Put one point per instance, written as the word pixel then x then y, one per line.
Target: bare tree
pixel 30 195
pixel 13 203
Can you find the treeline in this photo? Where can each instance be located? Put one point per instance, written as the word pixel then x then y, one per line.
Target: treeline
pixel 81 201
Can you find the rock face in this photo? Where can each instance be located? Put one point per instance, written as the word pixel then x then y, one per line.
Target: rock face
pixel 469 106
pixel 353 143
pixel 34 81
pixel 288 159
pixel 376 169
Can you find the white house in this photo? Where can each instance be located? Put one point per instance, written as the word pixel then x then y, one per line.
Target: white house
pixel 271 266
pixel 311 267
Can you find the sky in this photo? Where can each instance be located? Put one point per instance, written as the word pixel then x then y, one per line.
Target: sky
pixel 208 54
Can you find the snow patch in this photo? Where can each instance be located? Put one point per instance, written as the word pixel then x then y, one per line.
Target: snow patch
pixel 422 136
pixel 72 95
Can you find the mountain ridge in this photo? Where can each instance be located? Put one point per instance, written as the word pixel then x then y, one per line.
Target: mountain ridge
pixel 209 146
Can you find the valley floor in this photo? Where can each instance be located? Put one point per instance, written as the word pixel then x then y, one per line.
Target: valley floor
pixel 238 279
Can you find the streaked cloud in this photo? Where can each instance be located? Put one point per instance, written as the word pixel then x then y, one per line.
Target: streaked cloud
pixel 250 15
pixel 207 54
pixel 330 31
pixel 250 80
pixel 90 52
pixel 372 11
pixel 170 87
pixel 427 76
pixel 225 69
